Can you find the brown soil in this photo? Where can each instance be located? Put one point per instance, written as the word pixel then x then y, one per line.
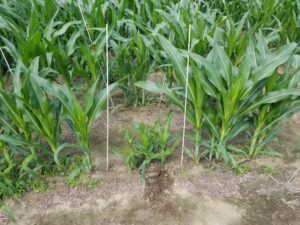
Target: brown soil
pixel 157 184
pixel 203 194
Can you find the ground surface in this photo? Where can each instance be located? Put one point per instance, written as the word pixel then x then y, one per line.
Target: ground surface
pixel 195 195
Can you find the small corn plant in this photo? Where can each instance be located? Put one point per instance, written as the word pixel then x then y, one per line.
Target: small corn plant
pixel 153 143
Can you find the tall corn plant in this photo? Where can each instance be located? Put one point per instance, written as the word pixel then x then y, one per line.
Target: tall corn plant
pixel 79 117
pixel 269 115
pixel 23 151
pixel 196 94
pixel 134 63
pixel 241 89
pixel 281 16
pixel 232 91
pixel 176 20
pixel 30 115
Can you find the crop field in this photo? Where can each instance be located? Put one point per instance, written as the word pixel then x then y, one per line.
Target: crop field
pixel 171 112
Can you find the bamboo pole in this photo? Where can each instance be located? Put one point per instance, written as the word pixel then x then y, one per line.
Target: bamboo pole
pixel 6 62
pixel 185 96
pixel 107 100
pixel 106 81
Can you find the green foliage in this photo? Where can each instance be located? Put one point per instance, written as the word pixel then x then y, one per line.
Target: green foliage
pixel 84 180
pixel 31 118
pixel 226 96
pixel 134 63
pixel 269 170
pixel 243 169
pixel 77 175
pixel 80 119
pixel 39 185
pixel 243 78
pixel 153 143
pixel 9 213
pixel 273 15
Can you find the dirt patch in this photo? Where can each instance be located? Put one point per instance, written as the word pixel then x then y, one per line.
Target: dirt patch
pixel 174 211
pixel 157 183
pixel 278 208
pixel 267 202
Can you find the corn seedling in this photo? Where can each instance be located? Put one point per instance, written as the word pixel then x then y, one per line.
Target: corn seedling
pixel 153 143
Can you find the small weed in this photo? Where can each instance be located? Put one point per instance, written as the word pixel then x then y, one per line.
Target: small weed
pixel 77 175
pixel 39 185
pixel 9 213
pixel 297 147
pixel 269 170
pixel 242 170
pixel 84 180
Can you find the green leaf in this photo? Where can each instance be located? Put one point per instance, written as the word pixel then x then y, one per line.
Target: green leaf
pixel 176 57
pixel 65 27
pixel 278 58
pixel 273 97
pixel 14 141
pixel 98 104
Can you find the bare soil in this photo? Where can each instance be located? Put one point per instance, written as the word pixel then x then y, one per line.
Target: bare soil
pixel 202 194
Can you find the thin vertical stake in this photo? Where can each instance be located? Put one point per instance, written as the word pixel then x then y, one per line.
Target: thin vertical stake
pixel 185 96
pixel 180 5
pixel 85 24
pixel 6 62
pixel 107 100
pixel 90 38
pixel 161 93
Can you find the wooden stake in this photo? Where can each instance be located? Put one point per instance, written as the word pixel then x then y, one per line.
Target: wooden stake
pixel 107 100
pixel 6 62
pixel 180 5
pixel 106 81
pixel 185 97
pixel 85 24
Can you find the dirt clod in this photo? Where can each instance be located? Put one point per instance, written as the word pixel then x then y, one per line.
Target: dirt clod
pixel 156 184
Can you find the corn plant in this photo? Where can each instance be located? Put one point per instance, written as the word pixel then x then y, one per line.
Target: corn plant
pixel 231 91
pixel 28 113
pixel 177 19
pixel 240 90
pixel 60 42
pixel 269 115
pixel 196 94
pixel 282 16
pixel 153 143
pixel 80 118
pixel 23 154
pixel 16 130
pixel 134 63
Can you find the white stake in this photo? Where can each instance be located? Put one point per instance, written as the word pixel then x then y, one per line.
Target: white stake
pixel 106 81
pixel 180 5
pixel 6 62
pixel 294 175
pixel 185 96
pixel 107 100
pixel 85 24
pixel 161 93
